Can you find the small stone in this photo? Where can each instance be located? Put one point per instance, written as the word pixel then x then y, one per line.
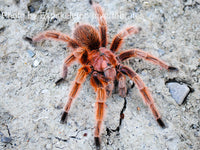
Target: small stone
pixel 5 139
pixel 137 9
pixel 138 108
pixel 31 9
pixel 150 124
pixel 44 91
pixel 2 29
pixel 196 134
pixel 36 63
pixel 31 53
pixel 130 81
pixel 45 52
pixel 193 126
pixel 178 91
pixel 161 52
pixel 59 106
pixel 144 73
pixel 48 146
pixel 1 134
pixel 85 134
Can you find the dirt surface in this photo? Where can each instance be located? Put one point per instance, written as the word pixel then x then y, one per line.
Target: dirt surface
pixel 31 104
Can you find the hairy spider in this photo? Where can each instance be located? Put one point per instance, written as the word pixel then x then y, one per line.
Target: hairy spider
pixel 103 65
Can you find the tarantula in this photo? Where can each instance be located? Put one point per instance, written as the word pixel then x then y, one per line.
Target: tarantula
pixel 103 64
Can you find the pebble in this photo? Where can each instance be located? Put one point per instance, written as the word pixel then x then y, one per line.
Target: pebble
pixel 137 9
pixel 161 52
pixel 144 73
pixel 2 29
pixel 31 53
pixel 178 91
pixel 44 91
pixel 150 124
pixel 130 81
pixel 5 139
pixel 1 134
pixel 48 146
pixel 36 62
pixel 196 134
pixel 31 9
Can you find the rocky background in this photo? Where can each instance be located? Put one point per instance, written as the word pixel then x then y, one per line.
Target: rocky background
pixel 31 104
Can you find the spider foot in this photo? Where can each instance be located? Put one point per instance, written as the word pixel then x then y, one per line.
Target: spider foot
pixel 59 81
pixel 161 123
pixel 170 68
pixel 97 143
pixel 64 117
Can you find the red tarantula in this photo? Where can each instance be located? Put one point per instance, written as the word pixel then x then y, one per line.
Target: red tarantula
pixel 103 64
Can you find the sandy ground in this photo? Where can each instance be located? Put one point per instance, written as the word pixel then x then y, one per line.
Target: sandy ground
pixel 31 105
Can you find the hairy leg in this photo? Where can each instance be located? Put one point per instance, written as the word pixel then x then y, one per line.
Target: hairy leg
pixel 143 91
pixel 110 72
pixel 55 35
pixel 118 39
pixel 102 23
pixel 121 84
pixel 100 107
pixel 144 55
pixel 80 78
pixel 68 61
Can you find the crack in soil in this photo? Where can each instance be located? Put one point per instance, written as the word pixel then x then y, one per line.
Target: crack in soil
pixel 109 131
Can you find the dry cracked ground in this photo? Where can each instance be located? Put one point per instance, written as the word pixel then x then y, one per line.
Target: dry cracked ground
pixel 31 104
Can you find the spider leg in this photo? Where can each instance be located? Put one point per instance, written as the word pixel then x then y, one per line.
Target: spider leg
pixel 102 23
pixel 71 58
pixel 101 79
pixel 118 39
pixel 144 55
pixel 55 35
pixel 121 78
pixel 68 61
pixel 143 91
pixel 100 107
pixel 80 78
pixel 110 72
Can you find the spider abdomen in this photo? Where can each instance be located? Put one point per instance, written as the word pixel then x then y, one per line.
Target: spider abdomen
pixel 87 36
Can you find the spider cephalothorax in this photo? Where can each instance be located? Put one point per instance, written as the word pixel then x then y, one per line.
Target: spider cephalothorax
pixel 88 46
